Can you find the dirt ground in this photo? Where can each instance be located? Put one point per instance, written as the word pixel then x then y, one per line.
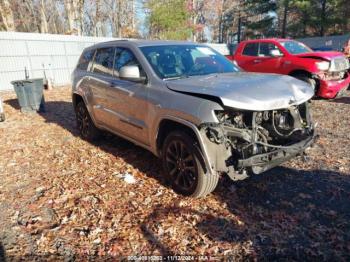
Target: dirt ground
pixel 67 199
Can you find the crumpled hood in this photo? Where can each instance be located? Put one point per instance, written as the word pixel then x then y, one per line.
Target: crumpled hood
pixel 325 55
pixel 247 91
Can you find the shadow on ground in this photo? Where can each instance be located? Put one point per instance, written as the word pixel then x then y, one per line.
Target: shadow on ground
pixel 285 213
pixel 289 213
pixel 343 100
pixel 62 114
pixel 13 102
pixel 2 253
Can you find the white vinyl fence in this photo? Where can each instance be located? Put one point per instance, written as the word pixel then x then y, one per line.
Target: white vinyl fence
pixel 54 55
pixel 45 54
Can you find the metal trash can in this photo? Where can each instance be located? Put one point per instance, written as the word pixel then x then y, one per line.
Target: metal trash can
pixel 2 114
pixel 30 94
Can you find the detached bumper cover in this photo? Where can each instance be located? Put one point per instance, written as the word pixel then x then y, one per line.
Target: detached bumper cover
pixel 262 162
pixel 330 89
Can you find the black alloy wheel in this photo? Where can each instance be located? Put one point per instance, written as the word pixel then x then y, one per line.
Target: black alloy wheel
pixel 181 166
pixel 184 166
pixel 85 125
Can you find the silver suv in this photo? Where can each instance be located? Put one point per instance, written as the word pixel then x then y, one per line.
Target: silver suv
pixel 192 108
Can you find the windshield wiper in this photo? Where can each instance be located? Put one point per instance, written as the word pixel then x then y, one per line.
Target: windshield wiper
pixel 176 77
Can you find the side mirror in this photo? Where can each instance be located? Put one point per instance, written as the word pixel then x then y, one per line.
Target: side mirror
pixel 275 53
pixel 131 73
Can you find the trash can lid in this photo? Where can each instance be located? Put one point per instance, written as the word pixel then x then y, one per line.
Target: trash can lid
pixel 21 82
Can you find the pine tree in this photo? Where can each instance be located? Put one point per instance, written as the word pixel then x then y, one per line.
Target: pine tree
pixel 260 21
pixel 169 19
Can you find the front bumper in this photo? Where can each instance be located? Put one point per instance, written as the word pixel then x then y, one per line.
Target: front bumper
pixel 330 89
pixel 262 162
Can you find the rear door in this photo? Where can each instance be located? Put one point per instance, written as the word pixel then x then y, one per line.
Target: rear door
pixel 100 79
pixel 248 57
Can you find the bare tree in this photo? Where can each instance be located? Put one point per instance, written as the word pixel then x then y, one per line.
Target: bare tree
pixel 121 17
pixel 6 16
pixel 55 17
pixel 75 16
pixel 43 18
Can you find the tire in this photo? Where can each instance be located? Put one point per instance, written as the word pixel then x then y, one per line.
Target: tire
pixel 182 163
pixel 85 125
pixel 2 117
pixel 308 80
pixel 340 94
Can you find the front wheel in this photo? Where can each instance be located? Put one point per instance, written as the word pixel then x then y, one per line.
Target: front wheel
pixel 308 80
pixel 183 168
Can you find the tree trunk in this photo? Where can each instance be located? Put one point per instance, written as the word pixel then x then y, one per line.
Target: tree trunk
pixel 81 16
pixel 70 15
pixel 119 14
pixel 285 15
pixel 43 20
pixel 6 15
pixel 323 17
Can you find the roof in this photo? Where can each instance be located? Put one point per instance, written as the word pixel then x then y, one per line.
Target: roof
pixel 140 43
pixel 268 40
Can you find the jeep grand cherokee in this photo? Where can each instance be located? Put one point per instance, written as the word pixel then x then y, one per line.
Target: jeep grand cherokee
pixel 192 108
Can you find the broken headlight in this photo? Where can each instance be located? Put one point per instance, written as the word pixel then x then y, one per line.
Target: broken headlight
pixel 236 118
pixel 323 66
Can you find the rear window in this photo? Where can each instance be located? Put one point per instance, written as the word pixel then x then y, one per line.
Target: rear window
pixel 85 59
pixel 103 62
pixel 251 49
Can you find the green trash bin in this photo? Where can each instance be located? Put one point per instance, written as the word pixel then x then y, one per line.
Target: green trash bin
pixel 30 94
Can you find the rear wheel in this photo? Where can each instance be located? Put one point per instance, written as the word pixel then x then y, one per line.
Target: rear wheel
pixel 85 125
pixel 183 168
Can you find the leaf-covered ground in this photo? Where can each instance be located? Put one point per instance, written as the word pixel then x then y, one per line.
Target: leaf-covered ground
pixel 64 198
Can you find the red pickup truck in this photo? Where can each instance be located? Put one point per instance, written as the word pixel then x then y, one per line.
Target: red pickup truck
pixel 327 72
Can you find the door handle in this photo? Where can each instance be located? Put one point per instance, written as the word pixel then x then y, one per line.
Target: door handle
pixel 257 61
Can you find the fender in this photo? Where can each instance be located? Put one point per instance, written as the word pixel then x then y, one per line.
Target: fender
pixel 81 94
pixel 203 150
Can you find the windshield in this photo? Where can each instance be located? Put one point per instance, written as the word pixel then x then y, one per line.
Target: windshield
pixel 177 61
pixel 295 48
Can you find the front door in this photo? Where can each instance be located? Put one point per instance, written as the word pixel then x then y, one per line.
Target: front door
pixel 127 100
pixel 269 58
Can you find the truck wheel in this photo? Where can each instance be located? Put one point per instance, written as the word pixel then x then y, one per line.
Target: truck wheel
pixel 86 127
pixel 183 168
pixel 308 80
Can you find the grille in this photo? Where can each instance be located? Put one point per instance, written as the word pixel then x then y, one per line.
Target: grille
pixel 339 64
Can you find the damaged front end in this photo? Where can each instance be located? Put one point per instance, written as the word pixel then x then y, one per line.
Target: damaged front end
pixel 248 141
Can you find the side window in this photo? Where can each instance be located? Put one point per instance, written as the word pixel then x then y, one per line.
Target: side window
pixel 251 49
pixel 124 57
pixel 103 62
pixel 85 59
pixel 266 48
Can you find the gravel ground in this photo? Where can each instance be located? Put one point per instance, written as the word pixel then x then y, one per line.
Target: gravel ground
pixel 67 199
